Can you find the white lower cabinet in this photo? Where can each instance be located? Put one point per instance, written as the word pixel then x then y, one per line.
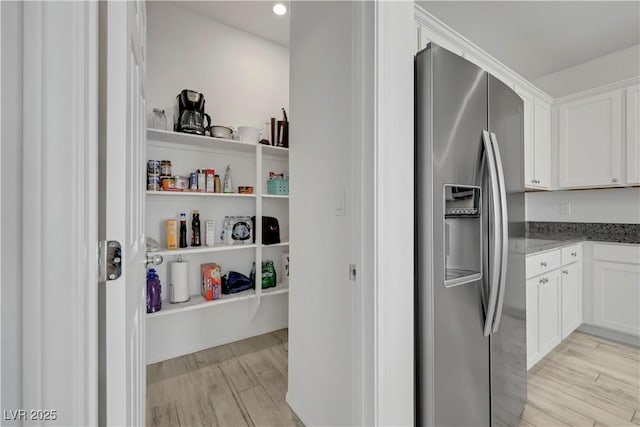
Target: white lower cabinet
pixel 571 298
pixel 554 299
pixel 533 348
pixel 549 311
pixel 616 288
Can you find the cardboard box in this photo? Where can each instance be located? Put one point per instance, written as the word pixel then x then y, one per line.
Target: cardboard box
pixel 211 285
pixel 172 234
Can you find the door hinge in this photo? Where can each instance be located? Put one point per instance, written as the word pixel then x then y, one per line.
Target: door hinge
pixel 352 272
pixel 109 260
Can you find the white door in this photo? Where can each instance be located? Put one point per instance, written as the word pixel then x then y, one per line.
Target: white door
pixel 591 141
pixel 549 311
pixel 616 296
pixel 633 135
pixel 571 298
pixel 122 160
pixel 542 144
pixel 529 147
pixel 533 350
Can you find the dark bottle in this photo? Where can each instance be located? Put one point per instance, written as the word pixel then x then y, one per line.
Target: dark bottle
pixel 183 230
pixel 195 229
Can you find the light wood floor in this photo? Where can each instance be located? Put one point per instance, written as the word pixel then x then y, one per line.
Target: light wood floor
pixel 239 384
pixel 585 381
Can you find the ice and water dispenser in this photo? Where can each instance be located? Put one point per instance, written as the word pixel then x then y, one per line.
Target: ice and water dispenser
pixel 462 234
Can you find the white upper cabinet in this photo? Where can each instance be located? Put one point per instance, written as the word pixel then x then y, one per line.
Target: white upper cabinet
pixel 541 144
pixel 633 135
pixel 590 141
pixel 537 141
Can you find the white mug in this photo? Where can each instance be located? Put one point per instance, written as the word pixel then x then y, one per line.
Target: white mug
pixel 248 134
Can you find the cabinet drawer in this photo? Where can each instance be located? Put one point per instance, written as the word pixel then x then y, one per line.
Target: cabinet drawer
pixel 541 263
pixel 571 254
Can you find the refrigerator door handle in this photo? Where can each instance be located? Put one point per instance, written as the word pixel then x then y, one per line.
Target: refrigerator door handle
pixel 504 244
pixel 494 280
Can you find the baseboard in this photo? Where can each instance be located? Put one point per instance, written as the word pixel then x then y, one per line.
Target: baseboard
pixel 610 334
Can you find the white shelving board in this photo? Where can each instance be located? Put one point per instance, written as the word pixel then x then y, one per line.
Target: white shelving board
pixel 195 194
pixel 197 301
pixel 275 196
pixel 280 288
pixel 199 140
pixel 202 249
pixel 276 245
pixel 271 150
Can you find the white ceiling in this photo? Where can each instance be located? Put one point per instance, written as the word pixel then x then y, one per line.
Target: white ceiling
pixel 254 17
pixel 536 38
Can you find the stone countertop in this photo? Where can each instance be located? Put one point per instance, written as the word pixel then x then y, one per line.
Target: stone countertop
pixel 543 236
pixel 538 244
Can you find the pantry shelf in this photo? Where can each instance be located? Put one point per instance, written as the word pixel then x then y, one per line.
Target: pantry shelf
pixel 274 151
pixel 275 245
pixel 280 288
pixel 198 302
pixel 275 196
pixel 195 194
pixel 199 141
pixel 202 249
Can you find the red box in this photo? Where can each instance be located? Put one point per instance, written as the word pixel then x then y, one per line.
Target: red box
pixel 211 285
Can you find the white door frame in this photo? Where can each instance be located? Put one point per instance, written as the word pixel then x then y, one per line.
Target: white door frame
pixel 394 211
pixel 59 235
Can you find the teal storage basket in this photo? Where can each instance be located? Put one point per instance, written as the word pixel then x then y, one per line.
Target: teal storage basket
pixel 278 186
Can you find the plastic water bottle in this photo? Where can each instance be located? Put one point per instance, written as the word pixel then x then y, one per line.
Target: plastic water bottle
pixel 154 303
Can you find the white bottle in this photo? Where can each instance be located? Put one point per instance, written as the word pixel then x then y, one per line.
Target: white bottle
pixel 227 187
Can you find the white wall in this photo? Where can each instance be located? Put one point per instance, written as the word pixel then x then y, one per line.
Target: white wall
pixel 11 224
pixel 611 205
pixel 611 68
pixel 245 79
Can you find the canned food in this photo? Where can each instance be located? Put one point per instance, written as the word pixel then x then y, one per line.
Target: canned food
pixel 193 181
pixel 153 168
pixel 182 182
pixel 165 168
pixel 168 183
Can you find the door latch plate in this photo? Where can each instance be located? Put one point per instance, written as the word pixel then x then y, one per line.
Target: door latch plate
pixel 110 260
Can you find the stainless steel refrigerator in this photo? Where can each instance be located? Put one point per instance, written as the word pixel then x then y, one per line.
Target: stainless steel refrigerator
pixel 470 279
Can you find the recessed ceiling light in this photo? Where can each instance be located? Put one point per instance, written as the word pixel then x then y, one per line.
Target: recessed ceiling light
pixel 279 8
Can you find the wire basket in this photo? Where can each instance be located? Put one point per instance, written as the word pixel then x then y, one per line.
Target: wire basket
pixel 278 186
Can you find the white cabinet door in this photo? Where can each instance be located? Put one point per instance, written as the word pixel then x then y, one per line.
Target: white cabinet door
pixel 590 141
pixel 533 349
pixel 571 298
pixel 542 144
pixel 529 176
pixel 616 296
pixel 633 135
pixel 537 141
pixel 549 298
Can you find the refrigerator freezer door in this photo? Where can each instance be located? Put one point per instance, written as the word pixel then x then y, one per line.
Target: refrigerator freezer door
pixel 453 381
pixel 508 343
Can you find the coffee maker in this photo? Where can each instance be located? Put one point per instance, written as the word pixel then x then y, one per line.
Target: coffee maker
pixel 191 115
